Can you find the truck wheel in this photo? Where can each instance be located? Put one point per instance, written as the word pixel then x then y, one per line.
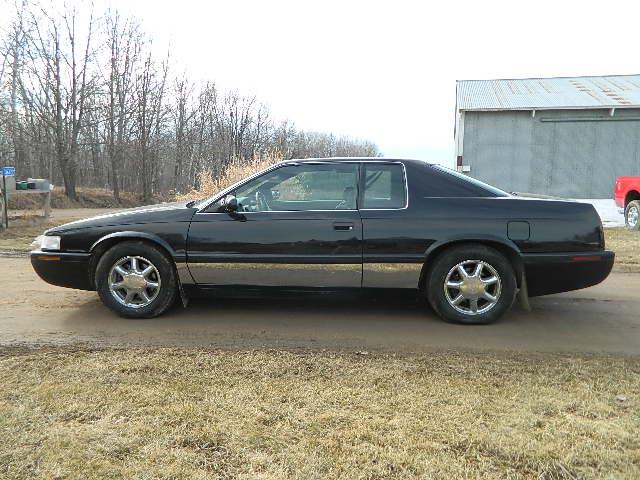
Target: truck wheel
pixel 632 215
pixel 471 284
pixel 136 280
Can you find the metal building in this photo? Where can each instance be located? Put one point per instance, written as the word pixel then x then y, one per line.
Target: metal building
pixel 567 137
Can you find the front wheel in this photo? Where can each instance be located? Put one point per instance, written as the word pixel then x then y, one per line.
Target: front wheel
pixel 136 280
pixel 632 215
pixel 471 284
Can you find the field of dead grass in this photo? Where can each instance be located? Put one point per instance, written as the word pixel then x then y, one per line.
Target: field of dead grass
pixel 626 244
pixel 196 414
pixel 87 198
pixel 22 231
pixel 210 184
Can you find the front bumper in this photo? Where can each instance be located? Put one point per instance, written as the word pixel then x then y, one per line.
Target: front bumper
pixel 63 269
pixel 549 273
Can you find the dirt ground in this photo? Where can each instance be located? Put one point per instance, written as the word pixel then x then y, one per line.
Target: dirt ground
pixel 605 318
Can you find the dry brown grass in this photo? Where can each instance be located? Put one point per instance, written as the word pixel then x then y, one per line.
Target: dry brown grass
pixel 22 231
pixel 87 198
pixel 234 172
pixel 185 414
pixel 626 244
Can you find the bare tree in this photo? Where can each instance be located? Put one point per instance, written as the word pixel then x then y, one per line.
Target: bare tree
pixel 85 101
pixel 60 65
pixel 184 113
pixel 150 87
pixel 124 44
pixel 11 51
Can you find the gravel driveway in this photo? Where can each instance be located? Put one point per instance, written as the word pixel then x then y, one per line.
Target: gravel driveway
pixel 605 318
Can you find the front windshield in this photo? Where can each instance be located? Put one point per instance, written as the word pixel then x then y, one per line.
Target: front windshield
pixel 478 183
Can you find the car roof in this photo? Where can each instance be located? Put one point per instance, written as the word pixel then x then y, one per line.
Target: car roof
pixel 354 159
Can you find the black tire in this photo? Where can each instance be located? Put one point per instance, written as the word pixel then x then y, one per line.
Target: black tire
pixel 494 264
pixel 632 215
pixel 167 290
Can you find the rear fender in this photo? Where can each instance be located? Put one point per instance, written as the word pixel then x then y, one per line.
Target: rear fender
pixel 503 245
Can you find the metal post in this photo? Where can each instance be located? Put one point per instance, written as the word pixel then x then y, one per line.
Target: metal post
pixel 47 204
pixel 5 201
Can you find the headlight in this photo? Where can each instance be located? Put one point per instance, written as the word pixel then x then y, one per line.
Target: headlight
pixel 47 242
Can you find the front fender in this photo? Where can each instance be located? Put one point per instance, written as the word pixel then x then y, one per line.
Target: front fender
pixel 182 271
pixel 134 235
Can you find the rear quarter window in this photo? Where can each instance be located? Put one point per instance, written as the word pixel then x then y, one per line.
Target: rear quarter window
pixel 384 186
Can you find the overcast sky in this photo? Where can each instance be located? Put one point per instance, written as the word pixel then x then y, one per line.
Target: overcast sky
pixel 385 71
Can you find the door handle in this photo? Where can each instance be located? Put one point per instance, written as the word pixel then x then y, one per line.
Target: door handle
pixel 343 227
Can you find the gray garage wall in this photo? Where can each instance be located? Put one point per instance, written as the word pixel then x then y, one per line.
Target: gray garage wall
pixel 566 153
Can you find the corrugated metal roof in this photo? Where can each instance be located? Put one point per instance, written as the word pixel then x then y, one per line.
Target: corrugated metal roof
pixel 619 91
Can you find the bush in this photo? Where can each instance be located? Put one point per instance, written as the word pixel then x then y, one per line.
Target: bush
pixel 236 170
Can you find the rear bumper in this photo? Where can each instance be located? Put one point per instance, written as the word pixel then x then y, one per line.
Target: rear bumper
pixel 63 269
pixel 562 272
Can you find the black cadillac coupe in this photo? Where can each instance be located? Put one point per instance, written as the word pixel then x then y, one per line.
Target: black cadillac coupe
pixel 335 225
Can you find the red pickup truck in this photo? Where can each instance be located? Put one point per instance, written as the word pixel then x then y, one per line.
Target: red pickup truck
pixel 627 196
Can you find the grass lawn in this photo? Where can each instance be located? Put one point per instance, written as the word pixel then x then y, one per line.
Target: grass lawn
pixel 196 414
pixel 21 232
pixel 626 244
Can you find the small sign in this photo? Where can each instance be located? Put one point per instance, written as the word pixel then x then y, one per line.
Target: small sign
pixel 8 171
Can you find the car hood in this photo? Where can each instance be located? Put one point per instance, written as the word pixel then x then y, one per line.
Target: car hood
pixel 160 213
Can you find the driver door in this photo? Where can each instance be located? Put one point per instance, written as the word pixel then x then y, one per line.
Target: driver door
pixel 297 226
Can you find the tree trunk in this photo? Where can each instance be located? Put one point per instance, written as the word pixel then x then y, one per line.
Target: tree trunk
pixel 69 176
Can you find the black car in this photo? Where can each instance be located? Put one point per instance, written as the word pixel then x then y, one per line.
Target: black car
pixel 335 225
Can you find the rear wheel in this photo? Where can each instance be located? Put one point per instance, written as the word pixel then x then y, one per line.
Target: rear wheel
pixel 471 284
pixel 632 215
pixel 136 280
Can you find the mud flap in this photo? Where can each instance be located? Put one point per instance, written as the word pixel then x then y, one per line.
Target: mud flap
pixel 523 294
pixel 183 296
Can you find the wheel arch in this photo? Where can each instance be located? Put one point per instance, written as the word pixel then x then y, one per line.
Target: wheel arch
pixel 506 247
pixel 103 244
pixel 631 196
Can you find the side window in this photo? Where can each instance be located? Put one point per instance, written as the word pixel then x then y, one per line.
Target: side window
pixel 330 186
pixel 384 186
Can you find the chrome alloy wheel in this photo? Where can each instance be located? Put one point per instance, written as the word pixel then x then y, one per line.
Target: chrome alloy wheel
pixel 472 287
pixel 134 282
pixel 632 216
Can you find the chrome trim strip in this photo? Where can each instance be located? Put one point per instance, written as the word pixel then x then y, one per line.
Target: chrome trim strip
pixel 278 274
pixel 391 275
pixel 269 258
pixel 58 253
pixel 278 211
pixel 184 275
pixel 236 185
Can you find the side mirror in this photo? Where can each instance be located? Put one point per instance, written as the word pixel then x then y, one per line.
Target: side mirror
pixel 230 203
